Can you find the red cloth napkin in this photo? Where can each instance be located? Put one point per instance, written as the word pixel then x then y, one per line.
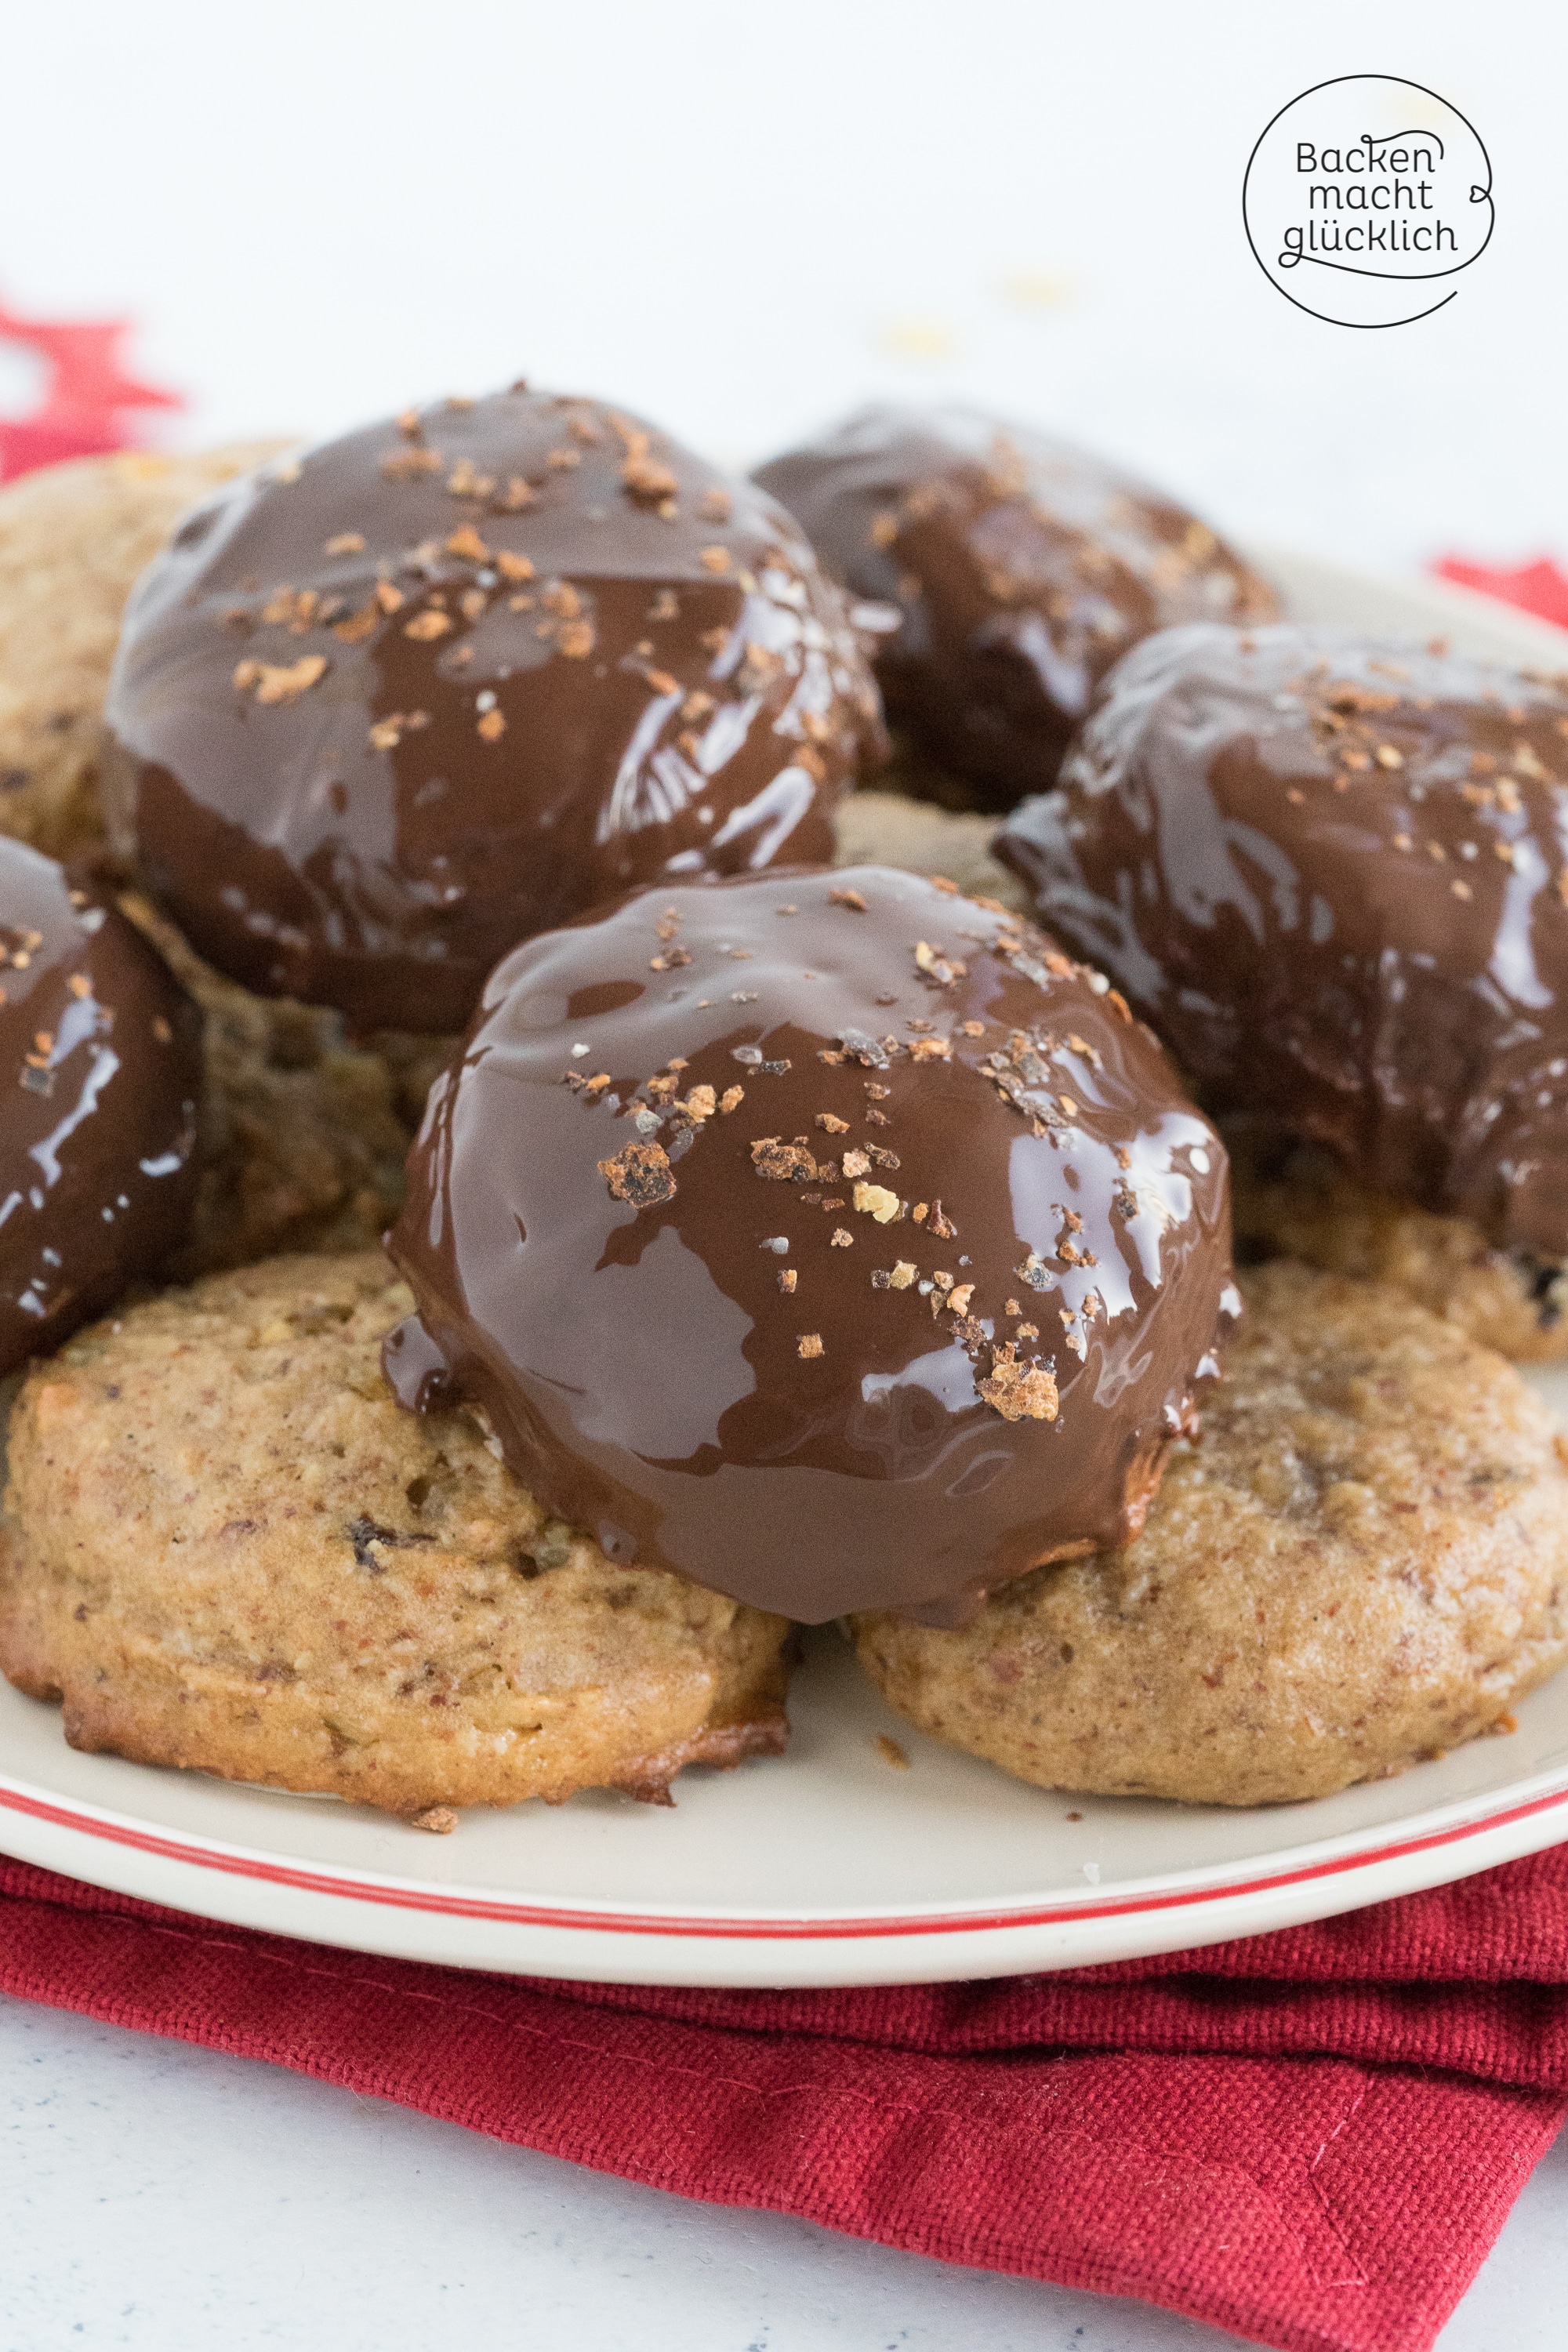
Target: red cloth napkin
pixel 1311 2139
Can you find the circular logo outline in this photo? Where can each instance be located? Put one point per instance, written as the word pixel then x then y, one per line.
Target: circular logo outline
pixel 1415 277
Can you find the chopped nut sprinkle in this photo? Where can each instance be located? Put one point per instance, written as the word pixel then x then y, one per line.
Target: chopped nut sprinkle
pixel 427 626
pixel 850 898
pixel 347 542
pixel 730 1099
pixel 825 1118
pixel 809 1344
pixel 639 1173
pixel 274 683
pixel 782 1162
pixel 359 625
pixel 1016 1392
pixel 875 1200
pixel 492 726
pixel 841 1237
pixel 407 465
pixel 787 1279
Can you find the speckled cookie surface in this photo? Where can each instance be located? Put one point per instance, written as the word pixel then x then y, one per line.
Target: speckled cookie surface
pixel 227 1548
pixel 301 1135
pixel 73 539
pixel 1364 1561
pixel 1301 1203
pixel 886 828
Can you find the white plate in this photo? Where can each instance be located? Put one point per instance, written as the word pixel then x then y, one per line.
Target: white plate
pixel 828 1866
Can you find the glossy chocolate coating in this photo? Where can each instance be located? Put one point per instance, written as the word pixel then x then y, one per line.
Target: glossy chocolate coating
pixel 1330 871
pixel 1021 567
pixel 100 1071
pixel 599 1246
pixel 387 709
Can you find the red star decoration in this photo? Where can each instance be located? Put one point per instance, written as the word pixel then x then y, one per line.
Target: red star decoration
pixel 85 399
pixel 1539 587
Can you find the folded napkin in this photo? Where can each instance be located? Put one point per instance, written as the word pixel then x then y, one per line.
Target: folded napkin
pixel 1311 2139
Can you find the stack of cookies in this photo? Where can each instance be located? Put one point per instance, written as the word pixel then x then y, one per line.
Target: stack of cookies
pixel 538 1163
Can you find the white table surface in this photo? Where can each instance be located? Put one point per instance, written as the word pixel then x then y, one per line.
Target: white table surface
pixel 741 218
pixel 160 2198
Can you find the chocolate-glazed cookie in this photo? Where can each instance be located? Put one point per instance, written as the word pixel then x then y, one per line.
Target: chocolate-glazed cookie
pixel 1332 872
pixel 384 710
pixel 99 1078
pixel 822 1236
pixel 1022 568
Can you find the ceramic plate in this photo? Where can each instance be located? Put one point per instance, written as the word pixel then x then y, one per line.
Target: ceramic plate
pixel 830 1867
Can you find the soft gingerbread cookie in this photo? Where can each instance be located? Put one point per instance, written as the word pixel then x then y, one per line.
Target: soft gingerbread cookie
pixel 1299 1201
pixel 226 1547
pixel 1364 1561
pixel 73 539
pixel 886 828
pixel 301 1135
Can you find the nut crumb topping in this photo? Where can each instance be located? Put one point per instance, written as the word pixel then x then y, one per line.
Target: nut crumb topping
pixel 274 683
pixel 876 1201
pixel 1019 1392
pixel 640 1173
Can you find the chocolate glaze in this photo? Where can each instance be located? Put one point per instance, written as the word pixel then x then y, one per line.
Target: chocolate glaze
pixel 1331 871
pixel 598 1245
pixel 1021 567
pixel 386 709
pixel 100 1072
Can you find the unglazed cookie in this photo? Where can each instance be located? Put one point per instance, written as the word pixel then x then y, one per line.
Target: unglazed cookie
pixel 73 539
pixel 1361 1563
pixel 226 1547
pixel 1296 1200
pixel 888 828
pixel 302 1137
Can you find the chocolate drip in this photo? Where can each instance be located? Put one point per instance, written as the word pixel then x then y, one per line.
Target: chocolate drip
pixel 99 1078
pixel 384 710
pixel 1020 568
pixel 831 1239
pixel 1332 872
